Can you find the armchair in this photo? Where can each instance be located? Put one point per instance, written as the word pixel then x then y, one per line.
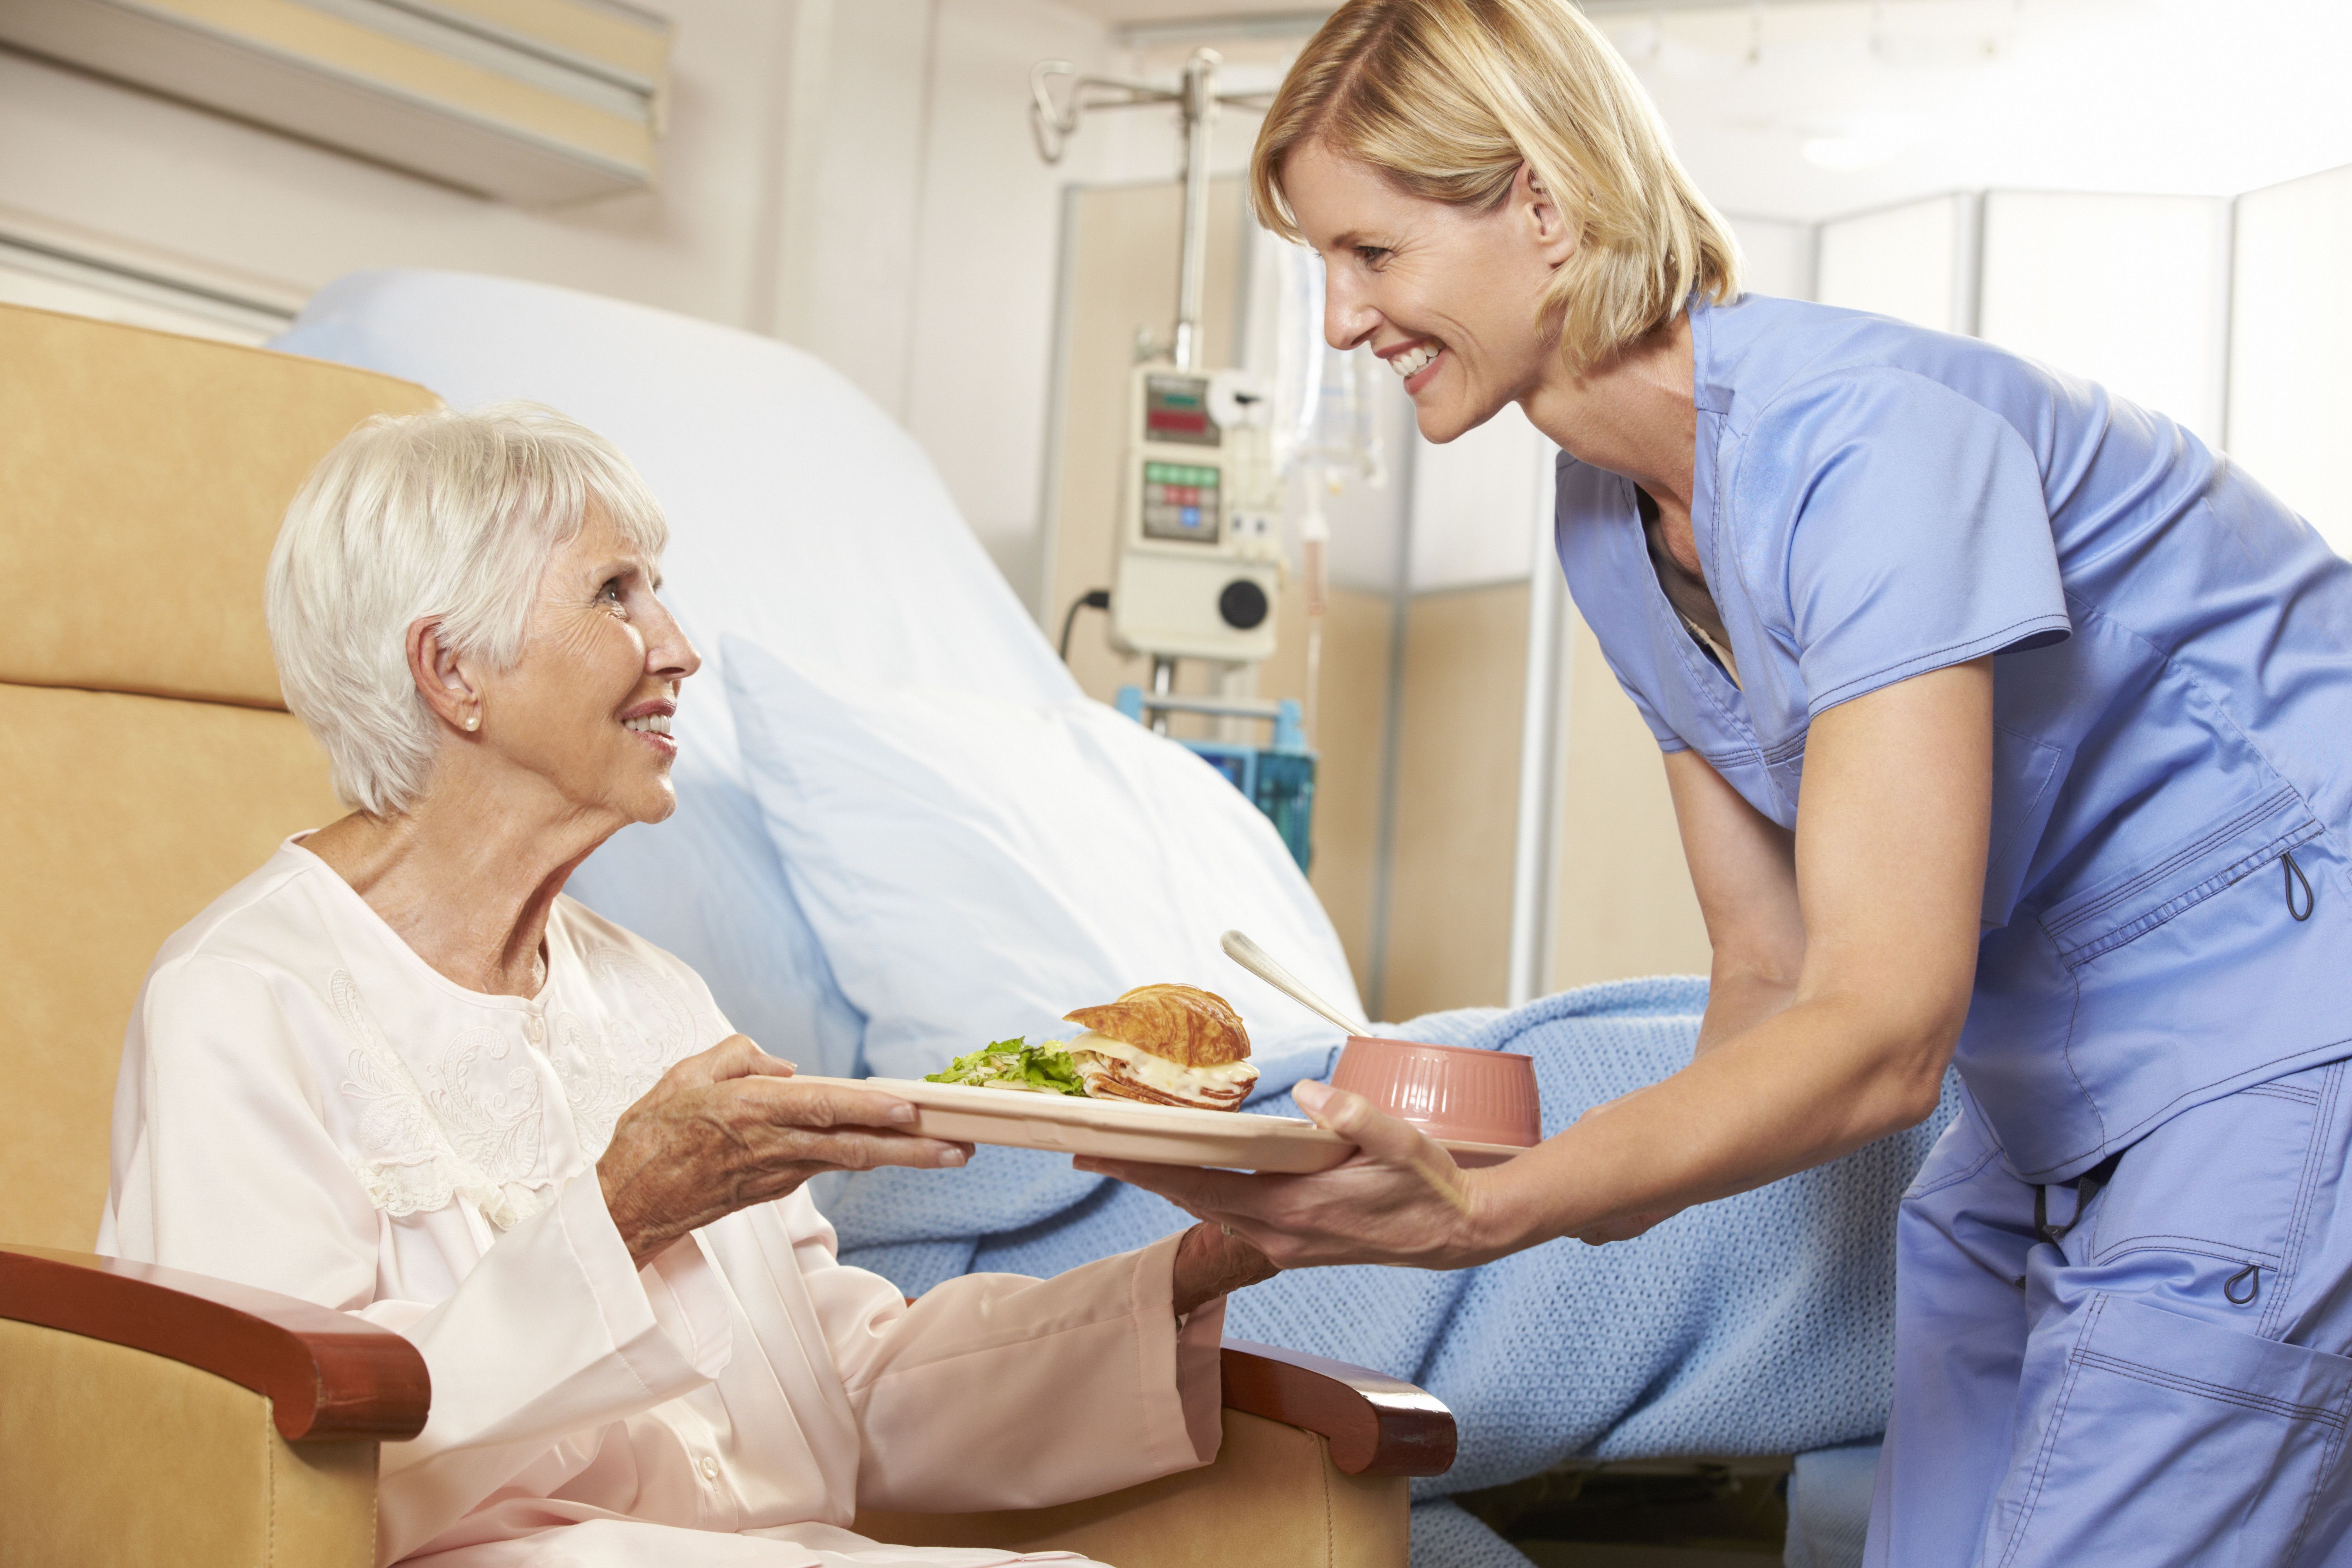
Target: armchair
pixel 151 1416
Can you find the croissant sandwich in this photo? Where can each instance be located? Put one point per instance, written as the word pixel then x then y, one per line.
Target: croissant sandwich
pixel 1164 1044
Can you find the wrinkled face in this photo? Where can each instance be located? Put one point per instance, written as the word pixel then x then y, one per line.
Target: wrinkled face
pixel 1446 296
pixel 588 705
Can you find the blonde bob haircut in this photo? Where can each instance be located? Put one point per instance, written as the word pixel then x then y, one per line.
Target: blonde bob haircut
pixel 446 516
pixel 1447 97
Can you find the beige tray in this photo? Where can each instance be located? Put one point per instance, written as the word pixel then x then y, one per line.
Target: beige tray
pixel 1126 1130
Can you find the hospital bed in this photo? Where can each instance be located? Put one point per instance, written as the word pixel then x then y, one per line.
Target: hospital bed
pixel 151 1417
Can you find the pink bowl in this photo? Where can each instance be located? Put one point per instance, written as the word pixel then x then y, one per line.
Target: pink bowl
pixel 1447 1092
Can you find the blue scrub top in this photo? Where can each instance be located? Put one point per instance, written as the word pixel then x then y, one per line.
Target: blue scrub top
pixel 2172 700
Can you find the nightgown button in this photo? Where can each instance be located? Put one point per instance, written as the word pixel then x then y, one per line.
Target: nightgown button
pixel 710 1468
pixel 535 1026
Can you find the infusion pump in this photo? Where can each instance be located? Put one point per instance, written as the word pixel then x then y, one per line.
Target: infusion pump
pixel 1198 559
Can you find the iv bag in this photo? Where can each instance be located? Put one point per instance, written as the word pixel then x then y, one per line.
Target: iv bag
pixel 1323 413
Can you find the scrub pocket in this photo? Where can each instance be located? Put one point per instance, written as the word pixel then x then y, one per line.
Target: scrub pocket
pixel 2189 974
pixel 2206 1214
pixel 2149 1438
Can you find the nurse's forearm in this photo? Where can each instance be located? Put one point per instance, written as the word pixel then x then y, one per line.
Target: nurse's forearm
pixel 1817 1080
pixel 1740 998
pixel 1897 782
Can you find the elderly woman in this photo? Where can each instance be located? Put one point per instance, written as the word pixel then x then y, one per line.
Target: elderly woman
pixel 396 1072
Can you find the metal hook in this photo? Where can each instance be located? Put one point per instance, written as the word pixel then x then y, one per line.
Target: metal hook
pixel 2295 875
pixel 1051 127
pixel 2252 1274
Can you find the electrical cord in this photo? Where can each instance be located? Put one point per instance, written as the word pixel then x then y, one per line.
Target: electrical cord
pixel 1092 599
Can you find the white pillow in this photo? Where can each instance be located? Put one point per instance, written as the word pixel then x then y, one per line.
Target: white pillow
pixel 977 867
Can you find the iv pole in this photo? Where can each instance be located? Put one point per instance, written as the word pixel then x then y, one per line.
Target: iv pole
pixel 1197 100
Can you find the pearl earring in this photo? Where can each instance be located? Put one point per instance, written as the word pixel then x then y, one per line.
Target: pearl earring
pixel 473 720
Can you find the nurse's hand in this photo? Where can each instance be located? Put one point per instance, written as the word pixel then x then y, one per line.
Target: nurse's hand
pixel 1399 1199
pixel 728 1128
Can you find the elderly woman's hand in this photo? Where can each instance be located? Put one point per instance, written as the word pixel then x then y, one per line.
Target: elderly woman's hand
pixel 1212 1261
pixel 728 1128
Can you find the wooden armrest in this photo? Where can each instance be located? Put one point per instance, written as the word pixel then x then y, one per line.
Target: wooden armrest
pixel 1376 1425
pixel 327 1373
pixel 330 1376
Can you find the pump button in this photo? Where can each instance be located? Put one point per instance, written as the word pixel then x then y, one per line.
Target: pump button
pixel 1242 605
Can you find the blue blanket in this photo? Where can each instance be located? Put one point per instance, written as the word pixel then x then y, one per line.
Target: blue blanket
pixel 1762 1324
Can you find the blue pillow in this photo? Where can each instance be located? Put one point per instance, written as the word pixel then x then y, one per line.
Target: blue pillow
pixel 707 885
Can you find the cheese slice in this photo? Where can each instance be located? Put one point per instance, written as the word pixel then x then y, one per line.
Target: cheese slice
pixel 1228 1080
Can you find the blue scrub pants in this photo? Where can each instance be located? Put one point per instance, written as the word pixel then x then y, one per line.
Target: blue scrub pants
pixel 2164 1384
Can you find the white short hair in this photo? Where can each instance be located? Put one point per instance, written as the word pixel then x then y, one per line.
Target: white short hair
pixel 446 516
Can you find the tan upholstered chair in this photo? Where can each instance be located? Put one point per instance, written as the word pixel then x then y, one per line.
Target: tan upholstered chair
pixel 146 764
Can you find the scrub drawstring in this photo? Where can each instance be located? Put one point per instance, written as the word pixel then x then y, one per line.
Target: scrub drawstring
pixel 2252 1274
pixel 2294 876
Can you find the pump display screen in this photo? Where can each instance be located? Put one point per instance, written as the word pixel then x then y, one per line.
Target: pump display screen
pixel 1176 408
pixel 1179 501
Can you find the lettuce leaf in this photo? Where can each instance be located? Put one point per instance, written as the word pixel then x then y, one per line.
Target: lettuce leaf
pixel 1045 1069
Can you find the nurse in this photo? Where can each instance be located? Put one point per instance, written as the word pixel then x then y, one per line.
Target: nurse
pixel 2006 725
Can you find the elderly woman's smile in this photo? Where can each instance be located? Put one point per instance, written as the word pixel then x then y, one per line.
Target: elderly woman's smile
pixel 584 714
pixel 652 720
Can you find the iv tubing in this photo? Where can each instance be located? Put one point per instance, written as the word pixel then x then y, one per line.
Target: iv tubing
pixel 1314 549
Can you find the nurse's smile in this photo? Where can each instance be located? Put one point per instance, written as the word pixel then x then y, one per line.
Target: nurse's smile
pixel 1442 294
pixel 1416 364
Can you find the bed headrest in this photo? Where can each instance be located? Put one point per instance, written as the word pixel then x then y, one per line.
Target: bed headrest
pixel 802 518
pixel 142 478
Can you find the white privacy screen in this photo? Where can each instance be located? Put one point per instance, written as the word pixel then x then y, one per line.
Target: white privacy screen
pixel 2129 291
pixel 2290 401
pixel 1899 262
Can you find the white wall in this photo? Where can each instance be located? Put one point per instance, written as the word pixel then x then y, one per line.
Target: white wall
pixel 931 253
pixel 852 249
pixel 2289 400
pixel 987 267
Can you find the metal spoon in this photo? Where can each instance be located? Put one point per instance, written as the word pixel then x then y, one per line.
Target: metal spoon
pixel 1252 957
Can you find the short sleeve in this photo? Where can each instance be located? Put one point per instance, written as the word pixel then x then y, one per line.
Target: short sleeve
pixel 1894 527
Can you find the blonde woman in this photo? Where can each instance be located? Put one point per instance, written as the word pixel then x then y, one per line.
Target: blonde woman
pixel 2004 723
